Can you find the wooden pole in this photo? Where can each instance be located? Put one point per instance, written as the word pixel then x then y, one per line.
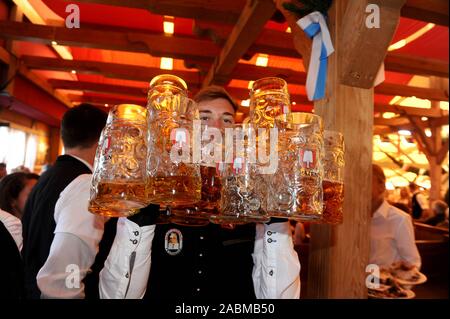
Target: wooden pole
pixel 434 160
pixel 339 254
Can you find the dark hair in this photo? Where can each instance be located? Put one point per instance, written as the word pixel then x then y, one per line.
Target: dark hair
pixel 377 172
pixel 82 125
pixel 413 186
pixel 10 187
pixel 2 165
pixel 213 92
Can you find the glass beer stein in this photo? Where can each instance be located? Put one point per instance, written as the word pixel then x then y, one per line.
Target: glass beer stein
pixel 211 154
pixel 118 182
pixel 173 179
pixel 296 187
pixel 242 199
pixel 269 98
pixel 333 178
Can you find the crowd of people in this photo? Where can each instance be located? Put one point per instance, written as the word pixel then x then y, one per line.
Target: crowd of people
pixel 48 233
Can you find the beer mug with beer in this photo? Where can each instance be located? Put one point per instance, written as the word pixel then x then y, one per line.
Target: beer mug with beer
pixel 118 182
pixel 211 152
pixel 269 98
pixel 333 179
pixel 296 187
pixel 173 177
pixel 242 199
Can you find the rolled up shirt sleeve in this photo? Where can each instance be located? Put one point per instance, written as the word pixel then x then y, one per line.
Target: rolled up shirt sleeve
pixel 276 270
pixel 127 268
pixel 75 244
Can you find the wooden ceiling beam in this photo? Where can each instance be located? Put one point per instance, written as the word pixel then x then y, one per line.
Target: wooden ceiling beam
pixel 98 87
pixel 193 50
pixel 242 71
pixel 211 10
pixel 434 11
pixel 416 65
pixel 156 44
pixel 249 25
pixel 113 70
pixel 410 110
pixel 105 99
pixel 396 121
pixel 406 90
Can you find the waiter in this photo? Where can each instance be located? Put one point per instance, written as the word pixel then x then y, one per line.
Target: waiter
pixel 59 234
pixel 173 261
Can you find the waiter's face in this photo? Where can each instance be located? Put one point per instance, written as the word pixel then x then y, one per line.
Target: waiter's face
pixel 216 113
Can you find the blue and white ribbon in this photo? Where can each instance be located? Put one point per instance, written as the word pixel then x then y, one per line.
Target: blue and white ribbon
pixel 315 27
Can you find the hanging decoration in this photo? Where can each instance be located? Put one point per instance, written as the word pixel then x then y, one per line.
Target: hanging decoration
pixel 312 21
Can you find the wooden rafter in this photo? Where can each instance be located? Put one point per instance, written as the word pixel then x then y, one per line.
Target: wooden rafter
pixel 211 10
pixel 242 71
pixel 396 121
pixel 114 70
pixel 141 92
pixel 249 25
pixel 105 99
pixel 410 110
pixel 435 11
pixel 98 87
pixel 195 51
pixel 6 57
pixel 403 63
pixel 406 90
pixel 419 134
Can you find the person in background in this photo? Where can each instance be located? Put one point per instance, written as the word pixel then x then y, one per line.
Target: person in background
pixel 3 171
pixel 245 261
pixel 419 203
pixel 58 230
pixel 391 230
pixel 14 190
pixel 438 208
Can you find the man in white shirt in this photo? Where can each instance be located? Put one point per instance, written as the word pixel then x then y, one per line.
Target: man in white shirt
pixel 392 232
pixel 248 261
pixel 61 238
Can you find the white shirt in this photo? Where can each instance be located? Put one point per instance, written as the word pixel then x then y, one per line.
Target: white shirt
pixel 392 237
pixel 75 245
pixel 276 267
pixel 14 227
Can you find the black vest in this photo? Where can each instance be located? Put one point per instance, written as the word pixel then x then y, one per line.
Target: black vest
pixel 416 209
pixel 11 268
pixel 39 224
pixel 213 263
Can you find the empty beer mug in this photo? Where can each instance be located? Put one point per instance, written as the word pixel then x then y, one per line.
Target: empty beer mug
pixel 333 179
pixel 118 182
pixel 242 199
pixel 269 98
pixel 296 187
pixel 173 178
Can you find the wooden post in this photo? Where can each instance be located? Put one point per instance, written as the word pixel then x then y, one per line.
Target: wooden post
pixel 434 159
pixel 339 254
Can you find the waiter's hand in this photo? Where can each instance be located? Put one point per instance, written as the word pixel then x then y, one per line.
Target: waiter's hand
pixel 146 216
